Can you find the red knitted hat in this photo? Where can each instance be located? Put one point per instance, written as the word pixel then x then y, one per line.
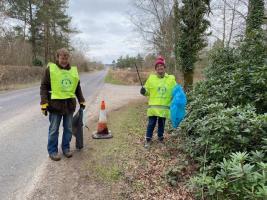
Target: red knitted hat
pixel 160 60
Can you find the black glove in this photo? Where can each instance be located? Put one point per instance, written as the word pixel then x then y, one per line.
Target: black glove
pixel 82 105
pixel 143 91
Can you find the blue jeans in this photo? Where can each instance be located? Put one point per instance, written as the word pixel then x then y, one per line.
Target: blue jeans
pixel 53 133
pixel 152 121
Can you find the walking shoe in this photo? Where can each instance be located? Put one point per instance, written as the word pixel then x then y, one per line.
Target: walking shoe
pixel 55 157
pixel 147 144
pixel 67 154
pixel 161 139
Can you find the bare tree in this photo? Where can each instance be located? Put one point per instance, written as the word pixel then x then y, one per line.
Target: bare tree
pixel 232 23
pixel 228 19
pixel 224 21
pixel 154 21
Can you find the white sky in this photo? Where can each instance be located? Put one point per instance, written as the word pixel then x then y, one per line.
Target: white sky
pixel 105 27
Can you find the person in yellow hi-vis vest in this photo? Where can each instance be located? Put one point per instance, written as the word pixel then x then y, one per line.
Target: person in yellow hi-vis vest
pixel 59 88
pixel 158 88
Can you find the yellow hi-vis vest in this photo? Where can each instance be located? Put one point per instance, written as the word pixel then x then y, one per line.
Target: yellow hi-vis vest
pixel 159 92
pixel 63 82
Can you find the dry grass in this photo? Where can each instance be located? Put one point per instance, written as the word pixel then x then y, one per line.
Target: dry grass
pixel 129 77
pixel 83 63
pixel 15 52
pixel 15 76
pixel 125 77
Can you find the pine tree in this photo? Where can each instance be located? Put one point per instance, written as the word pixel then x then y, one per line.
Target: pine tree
pixel 54 27
pixel 60 23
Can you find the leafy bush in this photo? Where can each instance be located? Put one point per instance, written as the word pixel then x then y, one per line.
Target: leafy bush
pixel 243 176
pixel 225 130
pixel 226 115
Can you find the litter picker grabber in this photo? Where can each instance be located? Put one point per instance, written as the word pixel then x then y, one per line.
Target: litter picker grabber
pixel 138 74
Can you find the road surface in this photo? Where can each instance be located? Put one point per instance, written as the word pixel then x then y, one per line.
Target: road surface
pixel 23 134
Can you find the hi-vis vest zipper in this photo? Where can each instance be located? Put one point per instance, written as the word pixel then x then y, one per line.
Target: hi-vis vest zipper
pixel 63 82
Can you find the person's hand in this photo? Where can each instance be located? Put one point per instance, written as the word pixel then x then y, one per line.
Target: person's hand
pixel 44 109
pixel 82 105
pixel 143 91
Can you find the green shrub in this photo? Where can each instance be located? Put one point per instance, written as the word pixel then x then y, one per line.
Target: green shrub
pixel 227 114
pixel 243 176
pixel 175 174
pixel 225 130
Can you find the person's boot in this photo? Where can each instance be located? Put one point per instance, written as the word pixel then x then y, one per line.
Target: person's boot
pixel 67 154
pixel 161 140
pixel 55 157
pixel 147 144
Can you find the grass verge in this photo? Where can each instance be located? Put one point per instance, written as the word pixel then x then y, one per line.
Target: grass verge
pixel 134 172
pixel 11 87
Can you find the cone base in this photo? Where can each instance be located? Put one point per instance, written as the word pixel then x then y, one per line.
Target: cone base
pixel 102 136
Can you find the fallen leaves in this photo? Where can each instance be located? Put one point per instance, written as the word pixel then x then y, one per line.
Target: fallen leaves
pixel 147 173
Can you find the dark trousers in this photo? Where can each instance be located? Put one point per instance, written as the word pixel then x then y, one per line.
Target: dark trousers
pixel 152 121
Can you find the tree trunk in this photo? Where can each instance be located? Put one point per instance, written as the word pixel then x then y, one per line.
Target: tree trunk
pixel 232 25
pixel 32 29
pixel 224 22
pixel 24 27
pixel 55 41
pixel 46 38
pixel 265 24
pixel 188 80
pixel 46 34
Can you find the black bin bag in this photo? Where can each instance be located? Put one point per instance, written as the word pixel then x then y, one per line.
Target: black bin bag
pixel 77 128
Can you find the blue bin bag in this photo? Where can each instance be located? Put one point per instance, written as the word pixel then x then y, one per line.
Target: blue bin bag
pixel 178 106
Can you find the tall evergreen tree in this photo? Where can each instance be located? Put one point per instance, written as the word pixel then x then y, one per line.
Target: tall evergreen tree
pixel 254 48
pixel 255 15
pixel 192 24
pixel 54 26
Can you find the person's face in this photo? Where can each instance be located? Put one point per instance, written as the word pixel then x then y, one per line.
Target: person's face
pixel 160 69
pixel 63 59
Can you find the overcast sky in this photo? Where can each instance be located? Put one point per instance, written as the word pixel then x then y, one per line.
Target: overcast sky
pixel 105 27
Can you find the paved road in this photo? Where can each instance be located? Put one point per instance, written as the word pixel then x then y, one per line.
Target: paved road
pixel 23 134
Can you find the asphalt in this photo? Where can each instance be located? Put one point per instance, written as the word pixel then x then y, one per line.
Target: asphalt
pixel 23 134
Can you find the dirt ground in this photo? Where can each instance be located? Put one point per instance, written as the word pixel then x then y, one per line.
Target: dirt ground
pixel 68 178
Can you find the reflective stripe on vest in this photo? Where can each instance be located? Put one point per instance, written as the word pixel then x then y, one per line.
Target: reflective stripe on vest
pixel 63 82
pixel 160 107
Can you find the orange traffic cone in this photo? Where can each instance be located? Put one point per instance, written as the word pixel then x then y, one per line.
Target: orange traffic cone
pixel 102 128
